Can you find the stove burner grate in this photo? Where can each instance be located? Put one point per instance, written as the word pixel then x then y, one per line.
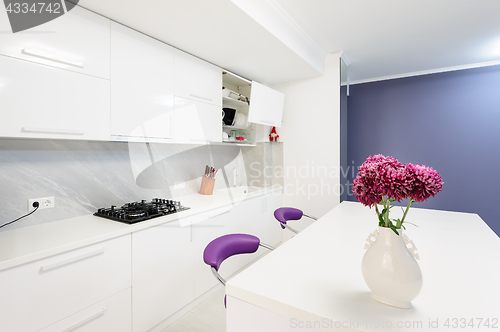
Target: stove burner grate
pixel 131 213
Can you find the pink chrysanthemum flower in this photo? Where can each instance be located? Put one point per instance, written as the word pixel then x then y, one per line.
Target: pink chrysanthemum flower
pixel 379 176
pixel 427 182
pixel 385 176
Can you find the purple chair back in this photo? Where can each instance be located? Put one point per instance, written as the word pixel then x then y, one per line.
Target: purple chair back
pixel 287 213
pixel 228 245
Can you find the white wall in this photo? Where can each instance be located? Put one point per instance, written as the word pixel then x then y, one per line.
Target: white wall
pixel 311 141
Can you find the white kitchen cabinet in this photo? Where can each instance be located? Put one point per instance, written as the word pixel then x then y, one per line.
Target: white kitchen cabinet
pixel 162 273
pixel 197 79
pixel 38 294
pixel 142 86
pixel 266 106
pixel 111 314
pixel 45 102
pixel 77 41
pixel 196 122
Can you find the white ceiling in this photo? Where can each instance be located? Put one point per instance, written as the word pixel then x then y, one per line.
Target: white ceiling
pixel 275 41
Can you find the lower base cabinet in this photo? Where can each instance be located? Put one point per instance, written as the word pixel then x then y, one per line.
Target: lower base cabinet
pixel 112 314
pixel 162 273
pixel 36 295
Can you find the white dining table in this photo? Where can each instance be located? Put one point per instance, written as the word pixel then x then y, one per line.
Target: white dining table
pixel 313 282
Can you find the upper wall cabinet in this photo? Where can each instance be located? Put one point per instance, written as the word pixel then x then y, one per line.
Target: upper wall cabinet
pixel 77 41
pixel 45 102
pixel 266 105
pixel 196 122
pixel 142 87
pixel 196 79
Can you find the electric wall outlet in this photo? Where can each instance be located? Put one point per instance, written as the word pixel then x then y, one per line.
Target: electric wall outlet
pixel 43 203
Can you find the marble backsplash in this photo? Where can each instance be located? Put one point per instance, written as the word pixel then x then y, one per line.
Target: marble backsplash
pixel 86 175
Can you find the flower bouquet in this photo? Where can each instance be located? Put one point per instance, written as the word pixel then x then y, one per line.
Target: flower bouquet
pixel 389 269
pixel 382 180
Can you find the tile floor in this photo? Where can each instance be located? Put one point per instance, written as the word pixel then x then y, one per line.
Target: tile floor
pixel 208 316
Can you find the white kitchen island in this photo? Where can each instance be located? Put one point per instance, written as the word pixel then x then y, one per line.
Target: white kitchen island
pixel 313 282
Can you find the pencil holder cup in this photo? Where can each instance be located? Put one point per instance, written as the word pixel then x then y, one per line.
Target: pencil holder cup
pixel 207 186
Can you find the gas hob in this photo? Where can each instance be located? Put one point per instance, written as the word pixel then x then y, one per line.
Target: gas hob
pixel 131 213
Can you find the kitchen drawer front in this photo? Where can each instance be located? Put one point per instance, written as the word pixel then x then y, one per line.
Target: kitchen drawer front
pixel 38 294
pixel 197 122
pixel 197 79
pixel 77 41
pixel 112 314
pixel 44 102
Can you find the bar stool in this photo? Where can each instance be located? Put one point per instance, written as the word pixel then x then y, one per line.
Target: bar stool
pixel 284 214
pixel 229 245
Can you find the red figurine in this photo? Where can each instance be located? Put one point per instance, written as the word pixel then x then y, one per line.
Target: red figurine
pixel 273 136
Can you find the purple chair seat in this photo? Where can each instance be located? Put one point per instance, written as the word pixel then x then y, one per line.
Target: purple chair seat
pixel 229 245
pixel 287 213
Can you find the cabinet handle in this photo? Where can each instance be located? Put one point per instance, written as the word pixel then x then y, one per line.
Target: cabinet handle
pixel 86 320
pixel 52 131
pixel 66 261
pixel 47 56
pixel 201 97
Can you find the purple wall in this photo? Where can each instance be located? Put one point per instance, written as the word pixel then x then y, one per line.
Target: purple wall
pixel 449 121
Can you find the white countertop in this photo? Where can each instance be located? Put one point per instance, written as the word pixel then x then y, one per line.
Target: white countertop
pixel 27 244
pixel 317 274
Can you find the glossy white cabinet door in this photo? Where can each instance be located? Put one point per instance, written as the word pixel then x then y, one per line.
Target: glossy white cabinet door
pixel 197 79
pixel 77 41
pixel 266 105
pixel 45 102
pixel 38 294
pixel 162 273
pixel 141 86
pixel 111 314
pixel 197 122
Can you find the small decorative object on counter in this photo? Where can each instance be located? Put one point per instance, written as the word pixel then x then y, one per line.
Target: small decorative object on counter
pixel 208 181
pixel 273 136
pixel 389 268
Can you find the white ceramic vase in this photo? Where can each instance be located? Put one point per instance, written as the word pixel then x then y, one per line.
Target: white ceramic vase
pixel 390 270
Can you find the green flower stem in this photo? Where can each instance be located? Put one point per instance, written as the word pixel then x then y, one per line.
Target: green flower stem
pixel 376 209
pixel 386 203
pixel 406 211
